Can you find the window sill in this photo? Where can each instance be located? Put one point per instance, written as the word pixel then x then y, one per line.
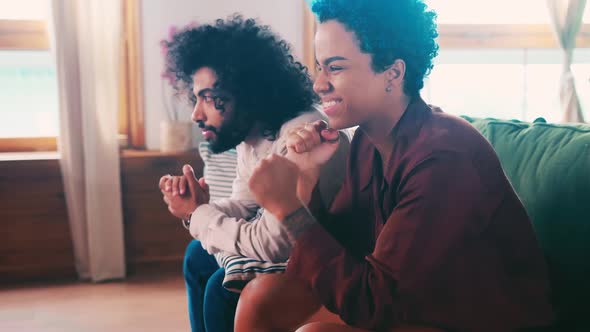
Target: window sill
pixel 131 153
pixel 33 155
pixel 125 154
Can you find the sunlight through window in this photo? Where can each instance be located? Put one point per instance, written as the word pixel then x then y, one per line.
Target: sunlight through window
pixel 28 84
pixel 492 80
pixel 493 12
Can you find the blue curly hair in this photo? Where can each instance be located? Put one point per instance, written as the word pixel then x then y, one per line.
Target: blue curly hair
pixel 388 30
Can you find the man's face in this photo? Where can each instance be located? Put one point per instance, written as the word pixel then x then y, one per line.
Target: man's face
pixel 215 113
pixel 350 90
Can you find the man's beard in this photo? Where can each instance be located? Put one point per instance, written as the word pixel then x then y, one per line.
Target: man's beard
pixel 228 135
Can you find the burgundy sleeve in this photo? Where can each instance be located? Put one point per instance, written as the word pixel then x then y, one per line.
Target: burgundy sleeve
pixel 439 201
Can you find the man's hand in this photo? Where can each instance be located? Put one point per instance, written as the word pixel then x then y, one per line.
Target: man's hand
pixel 183 194
pixel 274 185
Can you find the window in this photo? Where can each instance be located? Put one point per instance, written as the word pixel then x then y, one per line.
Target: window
pixel 28 86
pixel 500 59
pixel 29 105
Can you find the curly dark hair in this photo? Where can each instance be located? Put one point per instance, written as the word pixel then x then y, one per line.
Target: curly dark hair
pixel 388 30
pixel 251 63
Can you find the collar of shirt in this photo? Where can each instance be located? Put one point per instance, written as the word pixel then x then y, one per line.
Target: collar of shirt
pixel 406 130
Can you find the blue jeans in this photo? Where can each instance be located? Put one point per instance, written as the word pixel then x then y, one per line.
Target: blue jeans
pixel 211 307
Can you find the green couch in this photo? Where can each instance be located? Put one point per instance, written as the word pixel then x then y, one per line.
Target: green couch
pixel 549 167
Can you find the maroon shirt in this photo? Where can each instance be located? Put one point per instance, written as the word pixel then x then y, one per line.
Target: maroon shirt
pixel 437 238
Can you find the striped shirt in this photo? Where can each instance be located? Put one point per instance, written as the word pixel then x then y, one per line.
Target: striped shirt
pixel 219 171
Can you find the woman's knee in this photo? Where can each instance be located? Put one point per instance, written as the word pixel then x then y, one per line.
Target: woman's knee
pixel 328 327
pixel 268 291
pixel 250 313
pixel 274 302
pixel 257 297
pixel 312 327
pixel 335 327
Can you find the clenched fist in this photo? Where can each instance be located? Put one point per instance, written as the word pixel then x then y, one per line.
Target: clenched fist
pixel 274 185
pixel 312 145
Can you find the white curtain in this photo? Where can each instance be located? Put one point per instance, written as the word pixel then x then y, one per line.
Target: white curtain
pixel 566 16
pixel 86 42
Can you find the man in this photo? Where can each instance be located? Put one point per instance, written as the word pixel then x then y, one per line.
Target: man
pixel 248 92
pixel 426 230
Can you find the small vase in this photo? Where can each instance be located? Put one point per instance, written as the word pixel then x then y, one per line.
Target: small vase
pixel 175 136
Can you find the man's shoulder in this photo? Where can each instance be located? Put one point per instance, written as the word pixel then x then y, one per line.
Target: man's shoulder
pixel 241 149
pixel 311 115
pixel 278 145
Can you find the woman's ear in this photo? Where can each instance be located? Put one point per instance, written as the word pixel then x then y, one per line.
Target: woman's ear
pixel 396 72
pixel 394 75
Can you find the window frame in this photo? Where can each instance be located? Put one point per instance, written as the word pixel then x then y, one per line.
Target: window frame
pixel 498 36
pixel 33 35
pixel 131 114
pixel 23 35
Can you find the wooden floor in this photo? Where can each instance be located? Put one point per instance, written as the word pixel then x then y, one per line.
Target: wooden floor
pixel 142 303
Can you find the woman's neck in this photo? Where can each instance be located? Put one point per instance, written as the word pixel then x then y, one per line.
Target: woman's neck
pixel 380 129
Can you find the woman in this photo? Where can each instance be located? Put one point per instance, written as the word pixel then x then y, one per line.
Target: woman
pixel 426 231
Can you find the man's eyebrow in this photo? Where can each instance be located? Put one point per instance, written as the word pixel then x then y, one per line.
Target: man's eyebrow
pixel 203 91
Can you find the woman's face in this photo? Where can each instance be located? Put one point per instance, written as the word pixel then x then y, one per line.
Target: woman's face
pixel 350 90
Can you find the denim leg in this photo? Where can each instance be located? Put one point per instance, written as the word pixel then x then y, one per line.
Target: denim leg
pixel 198 267
pixel 220 305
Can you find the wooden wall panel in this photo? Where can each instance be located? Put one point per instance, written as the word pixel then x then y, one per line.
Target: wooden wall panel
pixel 35 236
pixel 152 235
pixel 35 241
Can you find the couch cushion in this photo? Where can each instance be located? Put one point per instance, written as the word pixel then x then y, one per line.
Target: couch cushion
pixel 549 167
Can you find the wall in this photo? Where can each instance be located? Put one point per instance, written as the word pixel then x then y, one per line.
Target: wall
pixel 284 16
